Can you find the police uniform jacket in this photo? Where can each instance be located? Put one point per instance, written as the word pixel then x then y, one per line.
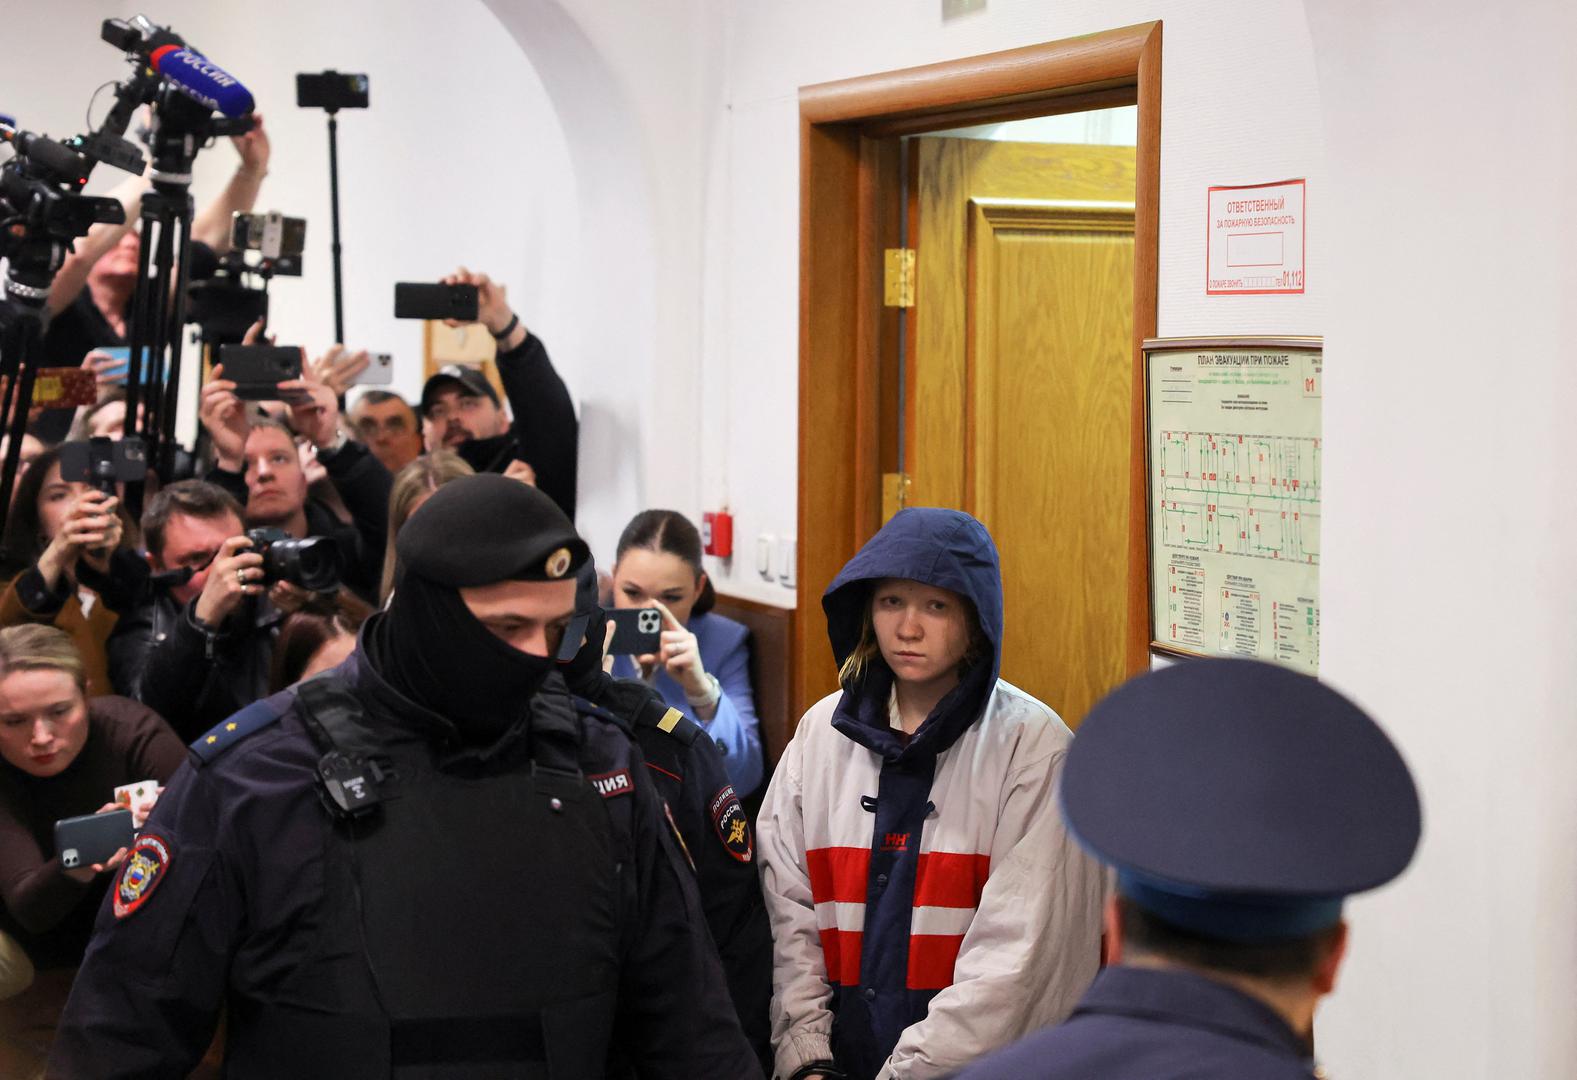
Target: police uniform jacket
pixel 687 770
pixel 245 895
pixel 1139 1024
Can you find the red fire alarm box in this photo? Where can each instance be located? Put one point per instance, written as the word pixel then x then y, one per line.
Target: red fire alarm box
pixel 717 534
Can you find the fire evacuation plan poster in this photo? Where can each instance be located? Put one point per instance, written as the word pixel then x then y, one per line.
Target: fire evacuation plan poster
pixel 1235 480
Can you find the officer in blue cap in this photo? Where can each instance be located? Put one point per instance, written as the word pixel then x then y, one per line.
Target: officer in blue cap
pixel 1239 803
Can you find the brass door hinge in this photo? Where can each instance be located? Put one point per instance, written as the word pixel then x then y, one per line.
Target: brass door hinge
pixel 898 279
pixel 895 494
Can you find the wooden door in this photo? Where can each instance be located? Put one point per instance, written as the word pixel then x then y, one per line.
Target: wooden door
pixel 1019 389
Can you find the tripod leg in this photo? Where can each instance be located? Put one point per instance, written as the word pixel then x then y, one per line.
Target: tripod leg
pixel 22 360
pixel 165 462
pixel 137 331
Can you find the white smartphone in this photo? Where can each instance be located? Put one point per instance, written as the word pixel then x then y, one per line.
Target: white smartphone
pixel 380 372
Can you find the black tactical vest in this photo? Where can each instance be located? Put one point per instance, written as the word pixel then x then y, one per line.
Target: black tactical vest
pixel 485 894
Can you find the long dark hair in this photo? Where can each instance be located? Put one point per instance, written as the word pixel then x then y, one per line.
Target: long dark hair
pixel 24 542
pixel 306 631
pixel 670 532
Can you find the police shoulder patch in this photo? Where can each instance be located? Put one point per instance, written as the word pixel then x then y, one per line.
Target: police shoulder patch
pixel 614 783
pixel 221 737
pixel 733 827
pixel 146 864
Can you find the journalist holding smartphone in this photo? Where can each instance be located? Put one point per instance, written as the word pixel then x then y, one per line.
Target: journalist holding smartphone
pixel 64 755
pixel 702 664
pixel 57 522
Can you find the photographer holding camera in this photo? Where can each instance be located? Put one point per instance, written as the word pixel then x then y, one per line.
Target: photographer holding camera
pixel 459 406
pixel 195 640
pixel 257 462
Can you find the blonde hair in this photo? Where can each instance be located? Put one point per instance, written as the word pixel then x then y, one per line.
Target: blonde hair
pixel 854 666
pixel 421 477
pixel 35 647
pixel 852 670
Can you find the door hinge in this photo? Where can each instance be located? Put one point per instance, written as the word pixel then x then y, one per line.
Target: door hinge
pixel 898 279
pixel 895 494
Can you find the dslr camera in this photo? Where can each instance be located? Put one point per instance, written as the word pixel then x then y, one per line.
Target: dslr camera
pixel 311 564
pixel 102 462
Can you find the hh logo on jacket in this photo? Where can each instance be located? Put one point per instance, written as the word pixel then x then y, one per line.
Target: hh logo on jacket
pixel 895 841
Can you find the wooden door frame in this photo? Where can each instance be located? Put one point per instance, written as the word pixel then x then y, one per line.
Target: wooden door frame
pixel 850 211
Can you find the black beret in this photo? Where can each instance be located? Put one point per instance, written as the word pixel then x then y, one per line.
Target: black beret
pixel 482 529
pixel 1239 799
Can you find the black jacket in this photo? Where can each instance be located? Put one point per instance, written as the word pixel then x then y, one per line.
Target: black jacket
pixel 191 674
pixel 363 485
pixel 545 429
pixel 244 896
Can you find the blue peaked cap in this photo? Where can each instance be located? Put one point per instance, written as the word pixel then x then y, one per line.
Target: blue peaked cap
pixel 1238 799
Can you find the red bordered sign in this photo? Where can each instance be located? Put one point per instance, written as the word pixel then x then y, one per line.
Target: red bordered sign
pixel 1254 238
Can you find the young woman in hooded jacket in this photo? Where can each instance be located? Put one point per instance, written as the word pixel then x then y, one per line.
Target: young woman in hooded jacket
pixel 928 903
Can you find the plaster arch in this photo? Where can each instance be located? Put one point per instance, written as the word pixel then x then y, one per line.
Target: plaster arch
pixel 616 265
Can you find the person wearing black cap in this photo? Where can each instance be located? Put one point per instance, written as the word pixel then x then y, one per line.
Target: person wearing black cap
pixel 1239 804
pixel 426 862
pixel 460 409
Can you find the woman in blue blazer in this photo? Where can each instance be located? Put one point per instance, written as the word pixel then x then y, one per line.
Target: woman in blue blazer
pixel 703 666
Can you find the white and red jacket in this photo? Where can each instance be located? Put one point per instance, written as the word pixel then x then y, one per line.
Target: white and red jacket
pixel 1003 912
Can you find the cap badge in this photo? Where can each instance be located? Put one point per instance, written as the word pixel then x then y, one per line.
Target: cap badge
pixel 558 563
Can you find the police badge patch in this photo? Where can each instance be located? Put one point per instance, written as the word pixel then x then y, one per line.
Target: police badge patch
pixel 146 864
pixel 733 827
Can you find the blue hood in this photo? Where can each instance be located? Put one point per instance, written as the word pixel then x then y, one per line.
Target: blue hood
pixel 945 548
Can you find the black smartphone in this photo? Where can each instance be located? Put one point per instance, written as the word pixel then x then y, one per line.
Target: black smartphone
pixel 92 838
pixel 331 90
pixel 636 631
pixel 414 301
pixel 257 370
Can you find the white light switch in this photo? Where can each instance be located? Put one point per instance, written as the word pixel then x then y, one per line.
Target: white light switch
pixel 786 561
pixel 764 545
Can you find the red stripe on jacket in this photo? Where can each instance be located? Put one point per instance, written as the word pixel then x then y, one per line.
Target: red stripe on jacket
pixel 838 875
pixel 931 960
pixel 841 952
pixel 945 879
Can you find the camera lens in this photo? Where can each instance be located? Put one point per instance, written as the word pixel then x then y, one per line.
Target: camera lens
pixel 312 563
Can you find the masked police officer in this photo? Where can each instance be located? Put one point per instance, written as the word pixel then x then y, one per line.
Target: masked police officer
pixel 1239 803
pixel 427 863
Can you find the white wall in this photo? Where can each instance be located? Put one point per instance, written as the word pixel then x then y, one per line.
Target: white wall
pixel 1447 573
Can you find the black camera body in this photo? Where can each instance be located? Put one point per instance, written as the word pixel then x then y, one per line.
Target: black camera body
pixel 313 563
pixel 104 462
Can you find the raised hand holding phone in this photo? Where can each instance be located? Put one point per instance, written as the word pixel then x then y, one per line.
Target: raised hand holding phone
pixel 680 654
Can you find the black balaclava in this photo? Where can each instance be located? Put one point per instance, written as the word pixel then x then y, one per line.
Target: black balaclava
pixel 474 531
pixel 431 649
